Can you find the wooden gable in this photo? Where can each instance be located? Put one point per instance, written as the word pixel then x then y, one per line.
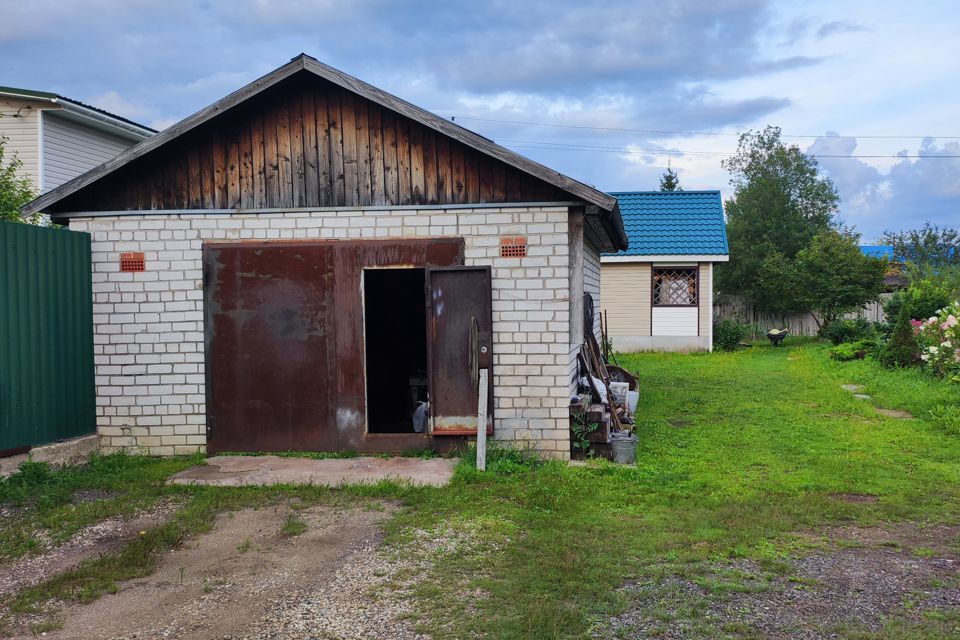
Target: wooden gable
pixel 307 142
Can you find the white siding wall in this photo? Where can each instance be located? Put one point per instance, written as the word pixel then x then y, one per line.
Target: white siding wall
pixel 705 295
pixel 626 298
pixel 590 271
pixel 69 149
pixel 675 321
pixel 23 136
pixel 148 326
pixel 591 281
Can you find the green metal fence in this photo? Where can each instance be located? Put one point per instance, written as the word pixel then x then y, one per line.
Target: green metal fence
pixel 46 336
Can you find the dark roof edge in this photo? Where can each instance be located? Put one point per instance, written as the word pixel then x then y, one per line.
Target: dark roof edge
pixel 304 62
pixel 612 221
pixel 54 98
pixel 113 116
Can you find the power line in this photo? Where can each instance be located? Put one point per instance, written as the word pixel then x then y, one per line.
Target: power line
pixel 684 133
pixel 562 146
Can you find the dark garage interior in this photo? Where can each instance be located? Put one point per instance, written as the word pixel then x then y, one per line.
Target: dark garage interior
pixel 395 327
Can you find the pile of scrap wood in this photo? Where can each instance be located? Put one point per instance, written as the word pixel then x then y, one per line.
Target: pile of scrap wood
pixel 603 392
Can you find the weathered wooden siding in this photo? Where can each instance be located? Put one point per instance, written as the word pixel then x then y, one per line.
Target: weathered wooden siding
pixel 70 148
pixel 309 143
pixel 23 136
pixel 626 298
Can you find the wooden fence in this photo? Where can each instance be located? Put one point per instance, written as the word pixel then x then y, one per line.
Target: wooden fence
pixel 799 324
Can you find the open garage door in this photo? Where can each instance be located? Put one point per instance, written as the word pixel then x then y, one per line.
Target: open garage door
pixel 460 344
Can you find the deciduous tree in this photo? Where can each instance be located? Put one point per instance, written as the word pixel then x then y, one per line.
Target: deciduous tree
pixel 15 190
pixel 780 204
pixel 833 277
pixel 930 245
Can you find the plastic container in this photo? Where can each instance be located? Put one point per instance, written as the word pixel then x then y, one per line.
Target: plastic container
pixel 633 397
pixel 624 448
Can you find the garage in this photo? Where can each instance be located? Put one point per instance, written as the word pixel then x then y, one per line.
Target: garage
pixel 326 346
pixel 313 264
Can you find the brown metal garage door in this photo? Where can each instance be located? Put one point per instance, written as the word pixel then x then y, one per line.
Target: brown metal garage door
pixel 285 341
pixel 268 309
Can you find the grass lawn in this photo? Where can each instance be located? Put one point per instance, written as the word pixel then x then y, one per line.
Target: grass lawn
pixel 739 453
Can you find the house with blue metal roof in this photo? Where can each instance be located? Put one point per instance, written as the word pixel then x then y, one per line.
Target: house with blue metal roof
pixel 657 295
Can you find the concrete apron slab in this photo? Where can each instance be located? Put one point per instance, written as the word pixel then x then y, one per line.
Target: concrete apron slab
pixel 57 454
pixel 237 471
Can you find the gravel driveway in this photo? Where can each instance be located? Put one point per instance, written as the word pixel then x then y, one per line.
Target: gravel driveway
pixel 859 581
pixel 246 579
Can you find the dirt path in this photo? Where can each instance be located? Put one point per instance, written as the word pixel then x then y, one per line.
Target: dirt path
pixel 225 584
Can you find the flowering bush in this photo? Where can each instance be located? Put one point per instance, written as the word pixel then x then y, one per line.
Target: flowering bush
pixel 939 340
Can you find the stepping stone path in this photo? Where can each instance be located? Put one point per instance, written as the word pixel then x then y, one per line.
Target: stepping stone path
pixel 890 413
pixel 895 413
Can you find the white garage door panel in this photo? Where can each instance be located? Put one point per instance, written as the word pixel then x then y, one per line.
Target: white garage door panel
pixel 675 321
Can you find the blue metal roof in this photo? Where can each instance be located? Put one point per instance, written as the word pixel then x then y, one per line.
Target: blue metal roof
pixel 877 250
pixel 660 223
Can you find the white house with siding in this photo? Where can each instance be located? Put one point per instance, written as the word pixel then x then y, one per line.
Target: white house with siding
pixel 57 138
pixel 658 293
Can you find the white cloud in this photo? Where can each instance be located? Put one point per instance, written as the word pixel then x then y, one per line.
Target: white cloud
pixel 118 105
pixel 911 192
pixel 854 67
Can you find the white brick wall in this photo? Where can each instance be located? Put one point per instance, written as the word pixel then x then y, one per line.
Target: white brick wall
pixel 149 326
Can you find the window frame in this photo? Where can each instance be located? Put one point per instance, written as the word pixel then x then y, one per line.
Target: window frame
pixel 653 286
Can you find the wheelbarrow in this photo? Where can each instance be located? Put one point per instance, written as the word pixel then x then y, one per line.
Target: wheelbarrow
pixel 776 336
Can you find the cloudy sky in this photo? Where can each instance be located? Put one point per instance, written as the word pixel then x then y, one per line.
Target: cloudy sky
pixel 866 85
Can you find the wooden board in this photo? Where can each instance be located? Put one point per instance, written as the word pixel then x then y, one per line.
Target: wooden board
pixel 306 144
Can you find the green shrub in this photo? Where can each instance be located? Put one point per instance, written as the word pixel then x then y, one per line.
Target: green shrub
pixel 727 334
pixel 843 330
pixel 853 350
pixel 923 299
pixel 901 348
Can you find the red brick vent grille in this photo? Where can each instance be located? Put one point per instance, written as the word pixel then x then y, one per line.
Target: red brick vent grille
pixel 513 247
pixel 132 261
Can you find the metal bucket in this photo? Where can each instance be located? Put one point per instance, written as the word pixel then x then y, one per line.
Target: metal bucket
pixel 624 448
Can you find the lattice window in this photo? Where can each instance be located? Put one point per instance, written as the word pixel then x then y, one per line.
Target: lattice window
pixel 132 261
pixel 513 247
pixel 675 287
